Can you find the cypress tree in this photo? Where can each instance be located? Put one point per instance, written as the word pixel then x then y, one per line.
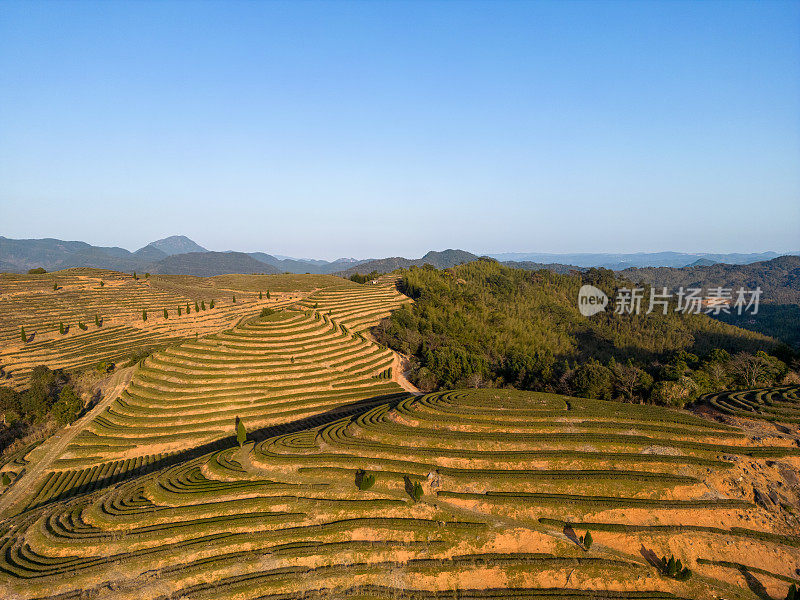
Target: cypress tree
pixel 196 307
pixel 179 310
pixel 166 314
pixel 234 298
pixel 188 310
pixel 212 304
pixel 144 314
pixel 260 296
pixel 24 337
pixel 134 275
pixel 268 296
pixel 97 320
pixel 241 432
pixel 102 283
pixel 61 328
pixel 587 540
pixel 202 305
pixel 55 285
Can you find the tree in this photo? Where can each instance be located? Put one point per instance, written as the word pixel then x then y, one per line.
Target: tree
pixel 241 432
pixel 179 310
pixel 792 594
pixel 587 540
pixel 97 320
pixel 67 407
pixel 37 271
pixel 234 298
pixel 147 275
pixel 212 304
pixel 266 311
pixel 202 305
pixel 413 488
pixel 102 283
pixel 196 307
pixel 364 480
pixel 61 329
pixel 188 310
pixel 166 314
pixel 268 296
pixel 134 275
pixel 55 285
pixel 6 479
pixel 260 296
pixel 24 337
pixel 144 314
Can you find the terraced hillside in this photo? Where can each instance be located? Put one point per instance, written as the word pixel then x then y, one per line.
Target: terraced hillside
pixel 778 404
pixel 110 306
pixel 508 479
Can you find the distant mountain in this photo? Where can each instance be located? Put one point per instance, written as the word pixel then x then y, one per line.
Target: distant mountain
pixel 21 255
pixel 534 266
pixel 208 264
pixel 620 262
pixel 440 260
pixel 175 244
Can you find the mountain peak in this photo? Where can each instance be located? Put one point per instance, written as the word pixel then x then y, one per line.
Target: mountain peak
pixel 176 244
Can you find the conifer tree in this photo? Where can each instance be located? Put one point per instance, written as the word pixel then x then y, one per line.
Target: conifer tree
pixel 102 283
pixel 24 337
pixel 144 314
pixel 587 540
pixel 260 296
pixel 188 310
pixel 166 314
pixel 234 298
pixel 241 432
pixel 202 305
pixel 6 479
pixel 212 304
pixel 196 307
pixel 268 296
pixel 97 320
pixel 135 276
pixel 61 329
pixel 55 285
pixel 179 310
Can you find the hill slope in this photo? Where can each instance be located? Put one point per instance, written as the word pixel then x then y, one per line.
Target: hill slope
pixel 208 264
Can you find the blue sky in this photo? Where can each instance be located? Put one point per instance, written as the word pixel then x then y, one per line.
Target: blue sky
pixel 328 129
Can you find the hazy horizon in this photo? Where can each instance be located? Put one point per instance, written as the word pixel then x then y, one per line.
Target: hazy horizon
pixel 338 129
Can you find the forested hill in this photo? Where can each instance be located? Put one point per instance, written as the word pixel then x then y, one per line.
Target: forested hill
pixel 486 324
pixel 779 280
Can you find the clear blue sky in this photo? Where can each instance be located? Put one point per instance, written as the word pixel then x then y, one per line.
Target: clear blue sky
pixel 391 128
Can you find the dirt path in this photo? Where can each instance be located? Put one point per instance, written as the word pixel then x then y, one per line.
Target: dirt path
pixel 399 374
pixel 55 446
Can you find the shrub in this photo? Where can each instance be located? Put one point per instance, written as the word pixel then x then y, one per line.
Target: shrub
pixel 102 283
pixel 792 594
pixel 24 337
pixel 105 366
pixel 241 432
pixel 83 326
pixel 364 480
pixel 55 285
pixel 37 271
pixel 6 478
pixel 147 275
pixel 265 312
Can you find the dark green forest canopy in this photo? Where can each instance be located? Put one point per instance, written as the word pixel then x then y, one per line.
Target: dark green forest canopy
pixel 484 323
